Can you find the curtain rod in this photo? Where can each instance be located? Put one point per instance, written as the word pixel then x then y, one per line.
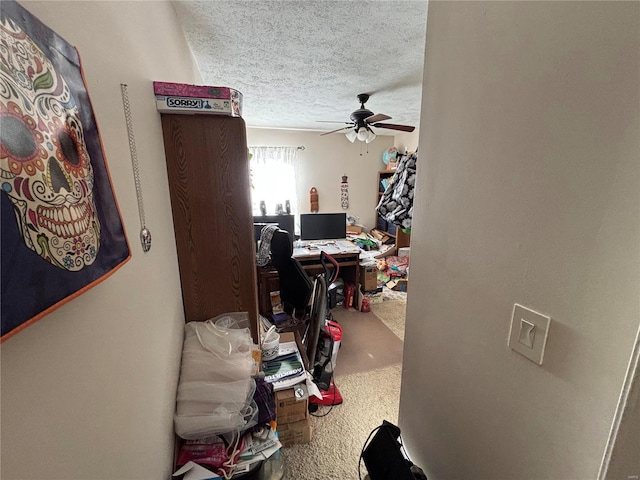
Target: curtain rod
pixel 301 147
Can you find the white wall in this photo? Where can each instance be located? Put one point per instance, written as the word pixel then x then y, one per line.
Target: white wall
pixel 407 141
pixel 528 193
pixel 89 390
pixel 324 161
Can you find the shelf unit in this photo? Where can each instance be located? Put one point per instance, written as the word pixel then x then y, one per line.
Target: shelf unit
pixel 208 172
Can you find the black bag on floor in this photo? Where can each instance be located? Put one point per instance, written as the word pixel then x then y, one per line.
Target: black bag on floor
pixel 384 459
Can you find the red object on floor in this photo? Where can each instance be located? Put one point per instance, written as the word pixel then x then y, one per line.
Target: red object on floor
pixel 335 330
pixel 329 397
pixel 349 292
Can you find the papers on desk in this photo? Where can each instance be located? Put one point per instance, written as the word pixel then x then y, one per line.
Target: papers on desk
pixel 332 247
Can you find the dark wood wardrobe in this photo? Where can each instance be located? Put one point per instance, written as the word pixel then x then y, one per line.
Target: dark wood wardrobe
pixel 208 169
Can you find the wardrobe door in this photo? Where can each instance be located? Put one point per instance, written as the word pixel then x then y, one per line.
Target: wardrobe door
pixel 208 169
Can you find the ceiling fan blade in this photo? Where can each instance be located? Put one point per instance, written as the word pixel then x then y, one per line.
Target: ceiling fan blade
pixel 337 130
pixel 393 126
pixel 378 117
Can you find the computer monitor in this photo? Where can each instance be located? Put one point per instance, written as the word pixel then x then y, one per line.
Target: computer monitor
pixel 319 226
pixel 285 222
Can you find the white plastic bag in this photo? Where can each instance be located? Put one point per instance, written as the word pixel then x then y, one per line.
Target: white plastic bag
pixel 209 409
pixel 215 391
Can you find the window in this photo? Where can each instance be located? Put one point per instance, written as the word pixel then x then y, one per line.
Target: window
pixel 273 178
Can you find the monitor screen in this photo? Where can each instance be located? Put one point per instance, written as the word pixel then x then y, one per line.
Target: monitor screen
pixel 285 222
pixel 320 226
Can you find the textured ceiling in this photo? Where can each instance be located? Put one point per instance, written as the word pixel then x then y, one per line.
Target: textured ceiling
pixel 297 61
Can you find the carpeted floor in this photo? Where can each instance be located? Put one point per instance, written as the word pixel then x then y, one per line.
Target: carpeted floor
pixel 370 396
pixel 337 441
pixel 392 314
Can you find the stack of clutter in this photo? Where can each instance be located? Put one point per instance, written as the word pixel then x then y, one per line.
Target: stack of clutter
pixel 396 268
pixel 291 383
pixel 222 412
pixel 377 247
pixel 391 271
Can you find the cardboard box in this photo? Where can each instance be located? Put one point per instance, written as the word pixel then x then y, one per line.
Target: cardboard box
pixel 289 409
pixel 369 277
pixel 355 229
pixel 203 99
pixel 294 433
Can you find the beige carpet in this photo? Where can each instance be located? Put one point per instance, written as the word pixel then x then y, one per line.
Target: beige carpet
pixel 338 438
pixel 369 397
pixel 392 314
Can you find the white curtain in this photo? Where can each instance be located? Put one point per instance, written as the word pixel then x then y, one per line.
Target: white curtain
pixel 273 178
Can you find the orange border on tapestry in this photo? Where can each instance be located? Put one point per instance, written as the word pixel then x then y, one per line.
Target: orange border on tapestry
pixel 89 286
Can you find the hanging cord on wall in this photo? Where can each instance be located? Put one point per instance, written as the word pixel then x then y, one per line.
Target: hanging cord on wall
pixel 145 234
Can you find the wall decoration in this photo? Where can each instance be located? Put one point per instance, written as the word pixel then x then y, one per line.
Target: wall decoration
pixel 344 193
pixel 61 229
pixel 314 202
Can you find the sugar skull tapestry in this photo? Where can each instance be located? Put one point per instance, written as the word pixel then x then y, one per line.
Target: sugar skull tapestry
pixel 61 229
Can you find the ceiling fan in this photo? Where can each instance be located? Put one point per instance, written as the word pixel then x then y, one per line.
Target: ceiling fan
pixel 363 119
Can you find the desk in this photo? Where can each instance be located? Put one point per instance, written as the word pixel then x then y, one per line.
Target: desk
pixel 308 254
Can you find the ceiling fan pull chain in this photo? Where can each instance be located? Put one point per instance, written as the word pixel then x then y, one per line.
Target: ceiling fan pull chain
pixel 145 234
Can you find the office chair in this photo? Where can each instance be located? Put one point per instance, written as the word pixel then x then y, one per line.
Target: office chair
pixel 313 300
pixel 295 285
pixel 301 296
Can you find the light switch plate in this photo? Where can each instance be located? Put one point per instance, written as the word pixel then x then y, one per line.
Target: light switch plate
pixel 529 332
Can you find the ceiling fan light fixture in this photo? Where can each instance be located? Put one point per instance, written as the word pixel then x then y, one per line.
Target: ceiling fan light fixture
pixel 363 134
pixel 351 136
pixel 371 137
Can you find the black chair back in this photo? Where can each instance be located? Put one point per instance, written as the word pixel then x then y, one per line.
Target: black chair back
pixel 295 285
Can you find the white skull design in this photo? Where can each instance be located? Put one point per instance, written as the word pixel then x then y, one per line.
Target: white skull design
pixel 45 168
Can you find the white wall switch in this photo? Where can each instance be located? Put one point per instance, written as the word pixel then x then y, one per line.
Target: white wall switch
pixel 529 332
